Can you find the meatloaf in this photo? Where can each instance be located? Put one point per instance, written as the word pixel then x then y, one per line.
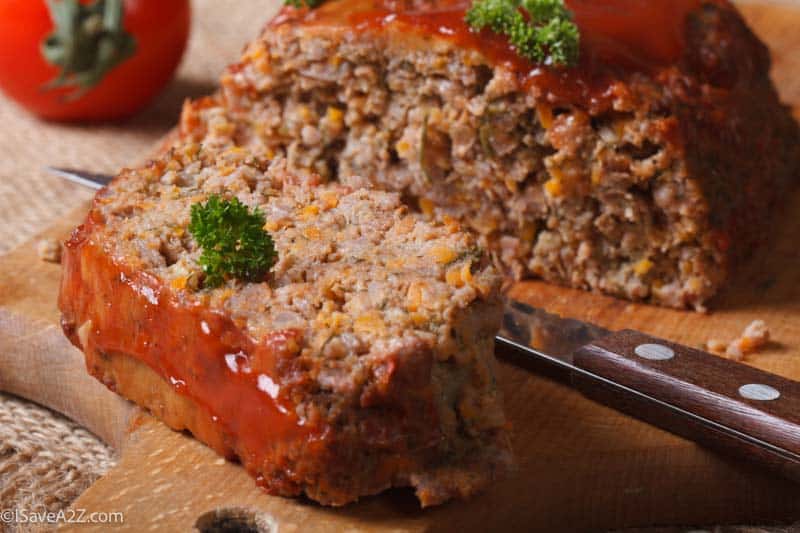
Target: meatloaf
pixel 362 361
pixel 646 171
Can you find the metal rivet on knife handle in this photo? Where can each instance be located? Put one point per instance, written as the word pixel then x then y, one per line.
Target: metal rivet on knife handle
pixel 758 391
pixel 654 352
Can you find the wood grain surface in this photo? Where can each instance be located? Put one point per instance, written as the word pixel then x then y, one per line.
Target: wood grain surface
pixel 581 466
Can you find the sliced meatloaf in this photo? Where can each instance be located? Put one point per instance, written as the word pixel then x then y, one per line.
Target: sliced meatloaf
pixel 364 360
pixel 647 171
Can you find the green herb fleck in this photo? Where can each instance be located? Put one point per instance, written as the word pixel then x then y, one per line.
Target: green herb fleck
pixel 311 4
pixel 485 136
pixel 540 30
pixel 234 242
pixel 423 143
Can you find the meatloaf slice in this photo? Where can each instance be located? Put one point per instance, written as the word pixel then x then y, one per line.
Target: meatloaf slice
pixel 363 361
pixel 647 171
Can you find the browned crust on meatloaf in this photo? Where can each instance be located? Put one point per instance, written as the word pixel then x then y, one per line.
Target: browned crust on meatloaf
pixel 438 482
pixel 363 362
pixel 655 195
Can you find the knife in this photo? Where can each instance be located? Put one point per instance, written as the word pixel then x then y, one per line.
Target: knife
pixel 81 177
pixel 724 405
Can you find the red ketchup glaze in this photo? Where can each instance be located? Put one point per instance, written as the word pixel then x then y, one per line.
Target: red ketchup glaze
pixel 200 352
pixel 617 37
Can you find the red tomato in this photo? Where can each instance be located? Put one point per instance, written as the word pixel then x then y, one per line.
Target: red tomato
pixel 160 29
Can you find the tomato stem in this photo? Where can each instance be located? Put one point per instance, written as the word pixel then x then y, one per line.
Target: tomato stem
pixel 88 41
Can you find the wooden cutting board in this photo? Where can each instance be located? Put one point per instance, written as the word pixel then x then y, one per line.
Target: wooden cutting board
pixel 581 466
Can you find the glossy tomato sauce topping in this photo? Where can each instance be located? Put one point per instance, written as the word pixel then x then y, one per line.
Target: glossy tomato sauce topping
pixel 617 37
pixel 199 352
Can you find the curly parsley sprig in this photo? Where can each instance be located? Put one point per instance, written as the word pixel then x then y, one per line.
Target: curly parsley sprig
pixel 233 239
pixel 540 30
pixel 311 4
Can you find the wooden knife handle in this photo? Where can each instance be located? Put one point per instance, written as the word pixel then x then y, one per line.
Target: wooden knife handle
pixel 717 402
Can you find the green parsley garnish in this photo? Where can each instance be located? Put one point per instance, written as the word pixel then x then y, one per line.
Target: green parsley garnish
pixel 311 4
pixel 234 242
pixel 540 30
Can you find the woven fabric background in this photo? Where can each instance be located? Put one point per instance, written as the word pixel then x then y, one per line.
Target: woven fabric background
pixel 46 461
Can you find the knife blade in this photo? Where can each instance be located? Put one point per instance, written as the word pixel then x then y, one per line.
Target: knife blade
pixel 81 177
pixel 722 404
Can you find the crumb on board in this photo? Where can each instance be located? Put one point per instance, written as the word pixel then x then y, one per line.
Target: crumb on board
pixel 49 249
pixel 716 346
pixel 754 336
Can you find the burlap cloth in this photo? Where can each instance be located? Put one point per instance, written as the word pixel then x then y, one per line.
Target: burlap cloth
pixel 46 461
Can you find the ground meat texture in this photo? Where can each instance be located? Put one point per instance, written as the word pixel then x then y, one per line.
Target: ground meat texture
pixel 651 191
pixel 364 360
